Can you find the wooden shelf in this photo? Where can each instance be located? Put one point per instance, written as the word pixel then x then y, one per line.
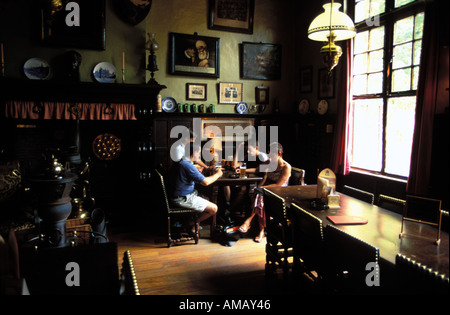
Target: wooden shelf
pixel 34 90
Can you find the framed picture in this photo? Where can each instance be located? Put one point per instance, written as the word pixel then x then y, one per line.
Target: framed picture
pixel 306 79
pixel 210 127
pixel 260 61
pixel 231 15
pixel 326 83
pixel 194 55
pixel 79 25
pixel 196 91
pixel 262 95
pixel 230 93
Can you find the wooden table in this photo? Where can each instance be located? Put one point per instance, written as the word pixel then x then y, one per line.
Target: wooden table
pixel 382 230
pixel 212 190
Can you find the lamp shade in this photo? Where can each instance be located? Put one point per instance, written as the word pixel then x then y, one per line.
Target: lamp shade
pixel 341 24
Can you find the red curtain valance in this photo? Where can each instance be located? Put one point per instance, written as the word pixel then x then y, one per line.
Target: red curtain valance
pixel 69 111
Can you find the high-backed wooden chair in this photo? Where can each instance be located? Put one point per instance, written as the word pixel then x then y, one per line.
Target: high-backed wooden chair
pixel 279 234
pixel 172 212
pixel 415 278
pixel 308 243
pixel 359 194
pixel 128 280
pixel 297 176
pixel 391 203
pixel 347 258
pixel 425 211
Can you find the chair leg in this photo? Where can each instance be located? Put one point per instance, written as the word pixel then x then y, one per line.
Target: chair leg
pixel 169 236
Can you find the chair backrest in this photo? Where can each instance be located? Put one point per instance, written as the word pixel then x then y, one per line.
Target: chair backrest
pixel 297 176
pixel 359 194
pixel 413 277
pixel 391 203
pixel 308 236
pixel 348 257
pixel 424 209
pixel 274 206
pixel 129 284
pixel 162 190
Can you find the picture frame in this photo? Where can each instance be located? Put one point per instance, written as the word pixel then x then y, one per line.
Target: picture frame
pixel 306 79
pixel 260 61
pixel 326 84
pixel 196 91
pixel 231 15
pixel 230 93
pixel 262 95
pixel 194 55
pixel 89 33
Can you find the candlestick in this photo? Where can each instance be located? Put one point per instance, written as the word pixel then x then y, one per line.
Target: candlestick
pixel 3 59
pixel 123 67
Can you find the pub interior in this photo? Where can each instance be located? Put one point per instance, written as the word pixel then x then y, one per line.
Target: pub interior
pixel 93 91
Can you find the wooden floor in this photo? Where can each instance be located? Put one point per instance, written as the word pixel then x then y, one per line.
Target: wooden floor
pixel 207 268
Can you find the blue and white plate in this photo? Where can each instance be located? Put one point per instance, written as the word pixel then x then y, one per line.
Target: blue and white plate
pixel 242 108
pixel 37 69
pixel 169 105
pixel 104 72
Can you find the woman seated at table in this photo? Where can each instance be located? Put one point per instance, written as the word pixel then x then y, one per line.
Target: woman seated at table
pixel 184 178
pixel 278 177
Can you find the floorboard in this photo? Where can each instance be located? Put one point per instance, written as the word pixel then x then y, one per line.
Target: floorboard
pixel 207 268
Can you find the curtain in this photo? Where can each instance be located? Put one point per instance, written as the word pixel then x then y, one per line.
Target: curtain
pixel 339 158
pixel 421 153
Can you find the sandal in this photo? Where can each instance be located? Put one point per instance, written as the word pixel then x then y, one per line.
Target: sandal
pixel 244 228
pixel 259 238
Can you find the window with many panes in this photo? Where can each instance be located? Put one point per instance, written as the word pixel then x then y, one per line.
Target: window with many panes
pixel 386 62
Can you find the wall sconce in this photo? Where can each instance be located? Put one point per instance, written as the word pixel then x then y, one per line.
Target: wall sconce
pixel 152 45
pixel 331 26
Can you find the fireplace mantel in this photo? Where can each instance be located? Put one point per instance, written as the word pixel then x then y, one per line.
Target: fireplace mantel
pixel 142 95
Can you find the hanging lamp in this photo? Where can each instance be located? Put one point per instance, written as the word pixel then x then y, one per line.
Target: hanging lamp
pixel 329 27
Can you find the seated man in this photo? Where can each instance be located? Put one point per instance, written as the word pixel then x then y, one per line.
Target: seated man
pixel 187 175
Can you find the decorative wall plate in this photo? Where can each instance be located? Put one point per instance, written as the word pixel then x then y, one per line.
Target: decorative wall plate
pixel 107 146
pixel 37 69
pixel 242 107
pixel 322 107
pixel 169 105
pixel 132 11
pixel 303 106
pixel 104 72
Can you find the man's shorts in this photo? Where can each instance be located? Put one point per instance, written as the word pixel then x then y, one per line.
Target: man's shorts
pixel 192 201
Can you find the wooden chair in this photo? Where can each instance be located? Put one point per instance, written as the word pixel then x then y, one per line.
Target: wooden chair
pixel 359 194
pixel 128 281
pixel 279 246
pixel 425 211
pixel 297 176
pixel 308 246
pixel 347 258
pixel 172 212
pixel 415 278
pixel 391 203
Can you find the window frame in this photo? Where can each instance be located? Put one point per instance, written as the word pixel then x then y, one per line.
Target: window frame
pixel 386 19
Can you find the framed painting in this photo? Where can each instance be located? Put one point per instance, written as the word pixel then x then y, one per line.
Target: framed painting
pixel 231 15
pixel 326 84
pixel 260 61
pixel 211 127
pixel 196 91
pixel 194 55
pixel 76 24
pixel 230 93
pixel 306 79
